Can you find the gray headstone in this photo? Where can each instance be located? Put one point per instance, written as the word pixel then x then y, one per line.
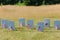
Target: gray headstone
pixel 22 22
pixel 30 24
pixel 57 24
pixel 47 22
pixel 4 23
pixel 40 26
pixel 11 25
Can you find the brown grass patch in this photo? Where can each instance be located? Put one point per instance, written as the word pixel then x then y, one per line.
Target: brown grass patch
pixel 12 12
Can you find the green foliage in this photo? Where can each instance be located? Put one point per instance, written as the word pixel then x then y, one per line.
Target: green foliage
pixel 33 2
pixel 52 2
pixel 20 4
pixel 30 2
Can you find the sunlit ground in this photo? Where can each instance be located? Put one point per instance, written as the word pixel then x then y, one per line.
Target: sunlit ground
pixel 37 14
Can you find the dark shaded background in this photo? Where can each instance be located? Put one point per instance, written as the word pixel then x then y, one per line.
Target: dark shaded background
pixel 30 2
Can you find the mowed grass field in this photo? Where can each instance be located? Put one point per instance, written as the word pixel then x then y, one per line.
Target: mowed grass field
pixel 37 13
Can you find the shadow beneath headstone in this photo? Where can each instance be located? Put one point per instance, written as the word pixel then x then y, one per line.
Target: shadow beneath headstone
pixel 48 28
pixel 24 29
pixel 52 31
pixel 33 28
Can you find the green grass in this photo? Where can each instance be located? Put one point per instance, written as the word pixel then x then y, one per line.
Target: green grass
pixel 29 34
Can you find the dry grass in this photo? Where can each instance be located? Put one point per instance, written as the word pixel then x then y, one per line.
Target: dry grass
pixel 29 11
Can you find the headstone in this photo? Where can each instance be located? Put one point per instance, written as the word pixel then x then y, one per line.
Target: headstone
pixel 0 22
pixel 47 22
pixel 22 22
pixel 40 26
pixel 57 24
pixel 30 24
pixel 11 25
pixel 4 23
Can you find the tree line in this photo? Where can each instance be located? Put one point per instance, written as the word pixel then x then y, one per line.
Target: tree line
pixel 30 2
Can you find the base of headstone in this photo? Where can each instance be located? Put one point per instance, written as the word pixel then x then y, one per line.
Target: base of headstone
pixel 38 30
pixel 56 27
pixel 28 26
pixel 21 25
pixel 4 26
pixel 10 29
